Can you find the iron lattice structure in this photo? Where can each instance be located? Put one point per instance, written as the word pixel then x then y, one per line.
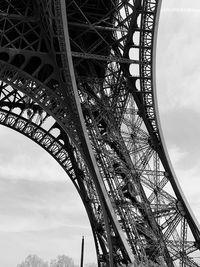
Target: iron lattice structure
pixel 78 78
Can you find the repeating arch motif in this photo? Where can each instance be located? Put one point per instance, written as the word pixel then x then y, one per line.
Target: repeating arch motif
pixel 21 114
pixel 91 68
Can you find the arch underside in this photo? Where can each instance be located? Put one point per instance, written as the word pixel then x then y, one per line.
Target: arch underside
pixel 101 126
pixel 21 114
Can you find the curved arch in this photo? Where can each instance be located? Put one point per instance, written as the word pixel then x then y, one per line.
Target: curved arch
pixel 56 106
pixel 195 227
pixel 165 225
pixel 64 107
pixel 15 116
pixel 109 115
pixel 40 93
pixel 148 86
pixel 145 97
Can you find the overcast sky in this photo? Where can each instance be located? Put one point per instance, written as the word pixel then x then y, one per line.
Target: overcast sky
pixel 178 89
pixel 40 212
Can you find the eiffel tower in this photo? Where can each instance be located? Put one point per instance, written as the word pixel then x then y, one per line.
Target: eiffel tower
pixel 78 78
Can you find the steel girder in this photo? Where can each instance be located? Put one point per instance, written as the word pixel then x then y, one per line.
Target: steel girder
pixel 78 78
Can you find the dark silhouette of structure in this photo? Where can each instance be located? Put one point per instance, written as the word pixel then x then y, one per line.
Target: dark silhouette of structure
pixel 82 252
pixel 77 77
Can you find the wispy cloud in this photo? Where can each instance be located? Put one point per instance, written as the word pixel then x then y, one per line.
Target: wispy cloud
pixel 182 131
pixel 41 213
pixel 40 210
pixel 178 83
pixel 44 218
pixel 33 205
pixel 178 65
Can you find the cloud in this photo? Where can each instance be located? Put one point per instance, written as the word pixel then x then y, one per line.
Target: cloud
pixel 28 160
pixel 34 205
pixel 188 177
pixel 178 82
pixel 178 65
pixel 176 155
pixel 190 184
pixel 40 210
pixel 43 218
pixel 181 130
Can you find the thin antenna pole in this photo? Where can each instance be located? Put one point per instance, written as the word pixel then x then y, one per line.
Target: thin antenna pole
pixel 82 252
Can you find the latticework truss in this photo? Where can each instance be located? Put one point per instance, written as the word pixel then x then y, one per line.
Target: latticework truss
pixel 77 77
